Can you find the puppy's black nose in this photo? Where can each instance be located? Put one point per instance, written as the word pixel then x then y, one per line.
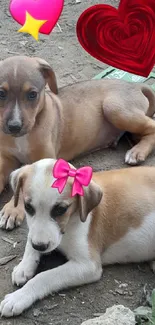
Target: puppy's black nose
pixel 14 127
pixel 40 247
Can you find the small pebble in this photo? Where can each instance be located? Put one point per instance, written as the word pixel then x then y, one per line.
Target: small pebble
pixel 123 285
pixel 3 42
pixel 37 313
pixel 113 292
pixel 62 295
pixel 119 291
pixel 51 307
pixel 23 42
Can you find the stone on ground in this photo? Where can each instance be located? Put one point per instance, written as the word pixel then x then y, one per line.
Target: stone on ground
pixel 116 315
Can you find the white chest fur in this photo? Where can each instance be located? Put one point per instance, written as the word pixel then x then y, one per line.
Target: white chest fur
pixel 21 149
pixel 75 241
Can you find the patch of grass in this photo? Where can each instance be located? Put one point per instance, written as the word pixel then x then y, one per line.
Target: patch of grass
pixel 152 320
pixel 145 317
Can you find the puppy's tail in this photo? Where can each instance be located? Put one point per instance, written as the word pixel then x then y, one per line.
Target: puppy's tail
pixel 150 95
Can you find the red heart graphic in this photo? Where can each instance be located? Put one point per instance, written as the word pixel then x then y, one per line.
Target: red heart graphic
pixel 123 37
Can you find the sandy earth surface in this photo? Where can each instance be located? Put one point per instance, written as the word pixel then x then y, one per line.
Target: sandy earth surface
pixel 71 63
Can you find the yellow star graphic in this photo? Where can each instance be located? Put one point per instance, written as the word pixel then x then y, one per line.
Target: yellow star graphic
pixel 32 26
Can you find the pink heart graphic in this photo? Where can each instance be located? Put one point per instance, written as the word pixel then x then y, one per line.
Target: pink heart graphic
pixel 49 10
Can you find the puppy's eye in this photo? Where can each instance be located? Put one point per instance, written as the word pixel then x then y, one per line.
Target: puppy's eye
pixel 32 95
pixel 3 94
pixel 58 210
pixel 29 209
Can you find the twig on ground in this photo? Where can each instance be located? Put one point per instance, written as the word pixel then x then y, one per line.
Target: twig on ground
pixel 59 27
pixel 7 259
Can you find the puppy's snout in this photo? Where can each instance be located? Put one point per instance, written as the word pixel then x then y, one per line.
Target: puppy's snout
pixel 14 127
pixel 40 246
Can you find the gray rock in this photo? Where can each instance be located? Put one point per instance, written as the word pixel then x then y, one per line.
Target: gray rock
pixel 116 315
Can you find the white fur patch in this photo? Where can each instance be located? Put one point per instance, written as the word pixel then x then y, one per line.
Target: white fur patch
pixel 21 149
pixel 74 243
pixel 15 71
pixel 16 113
pixel 137 245
pixel 43 228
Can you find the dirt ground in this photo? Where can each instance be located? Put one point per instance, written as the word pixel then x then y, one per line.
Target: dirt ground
pixel 71 63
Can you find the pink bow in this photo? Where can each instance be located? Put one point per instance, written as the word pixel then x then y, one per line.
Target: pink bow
pixel 62 171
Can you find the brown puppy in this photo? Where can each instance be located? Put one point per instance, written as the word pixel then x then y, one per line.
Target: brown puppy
pixel 37 124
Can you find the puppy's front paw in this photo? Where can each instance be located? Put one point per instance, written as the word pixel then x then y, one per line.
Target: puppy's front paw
pixel 15 303
pixel 22 273
pixel 10 216
pixel 134 156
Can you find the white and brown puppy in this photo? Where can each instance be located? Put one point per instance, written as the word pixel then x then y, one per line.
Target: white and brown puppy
pixel 113 223
pixel 35 123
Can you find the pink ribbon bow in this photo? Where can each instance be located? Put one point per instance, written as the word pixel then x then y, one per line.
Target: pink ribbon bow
pixel 62 171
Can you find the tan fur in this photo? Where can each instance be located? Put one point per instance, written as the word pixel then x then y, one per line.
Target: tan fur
pixel 128 196
pixel 83 117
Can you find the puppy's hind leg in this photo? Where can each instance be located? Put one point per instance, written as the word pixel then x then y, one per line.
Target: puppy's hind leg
pixel 145 146
pixel 125 115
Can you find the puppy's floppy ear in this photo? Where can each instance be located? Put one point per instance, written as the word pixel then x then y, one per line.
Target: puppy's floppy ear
pixel 17 178
pixel 92 197
pixel 48 74
pixel 16 182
